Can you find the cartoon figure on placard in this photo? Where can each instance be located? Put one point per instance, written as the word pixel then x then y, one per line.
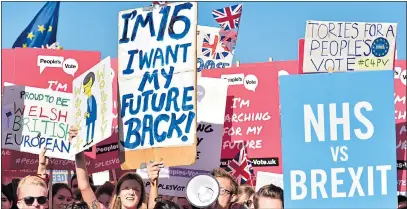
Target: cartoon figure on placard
pixel 91 111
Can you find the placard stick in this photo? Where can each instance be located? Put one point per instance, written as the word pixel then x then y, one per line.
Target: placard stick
pixel 50 188
pixel 114 176
pixel 69 178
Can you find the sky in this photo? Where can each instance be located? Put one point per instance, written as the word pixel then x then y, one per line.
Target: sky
pixel 267 29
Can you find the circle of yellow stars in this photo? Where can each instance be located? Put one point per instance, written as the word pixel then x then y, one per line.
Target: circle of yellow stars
pixel 31 35
pixel 386 46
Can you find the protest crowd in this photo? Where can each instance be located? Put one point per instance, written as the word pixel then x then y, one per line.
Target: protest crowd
pixel 186 118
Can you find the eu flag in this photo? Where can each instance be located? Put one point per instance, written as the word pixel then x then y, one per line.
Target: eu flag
pixel 43 28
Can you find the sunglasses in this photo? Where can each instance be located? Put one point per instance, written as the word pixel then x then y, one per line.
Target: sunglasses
pixel 30 200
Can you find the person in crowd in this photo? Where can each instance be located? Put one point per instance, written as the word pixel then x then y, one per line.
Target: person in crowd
pixel 74 187
pixel 61 196
pixel 166 204
pixel 7 198
pixel 76 205
pixel 228 188
pixel 32 192
pixel 129 192
pixel 269 196
pixel 402 201
pixel 104 193
pixel 12 188
pixel 42 166
pixel 167 197
pixel 183 203
pixel 245 196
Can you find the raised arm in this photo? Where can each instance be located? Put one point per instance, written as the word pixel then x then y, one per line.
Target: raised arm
pixel 42 165
pixel 82 176
pixel 153 173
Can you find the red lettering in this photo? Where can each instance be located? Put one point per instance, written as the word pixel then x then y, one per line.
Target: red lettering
pixel 41 115
pixel 54 114
pixel 32 109
pixel 61 115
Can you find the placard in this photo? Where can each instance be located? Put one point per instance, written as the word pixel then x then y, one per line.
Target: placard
pixel 212 94
pixel 266 178
pixel 36 118
pixel 348 46
pixel 212 53
pixel 60 176
pixel 401 123
pixel 19 62
pixel 157 84
pixel 338 146
pixel 92 105
pixel 107 151
pixel 251 118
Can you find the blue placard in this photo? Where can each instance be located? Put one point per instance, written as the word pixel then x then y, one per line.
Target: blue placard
pixel 339 126
pixel 59 176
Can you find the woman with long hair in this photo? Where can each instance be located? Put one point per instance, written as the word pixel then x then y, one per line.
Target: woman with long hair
pixel 104 193
pixel 7 198
pixel 61 196
pixel 129 192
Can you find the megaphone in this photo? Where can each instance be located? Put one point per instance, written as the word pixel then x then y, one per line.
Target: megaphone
pixel 202 191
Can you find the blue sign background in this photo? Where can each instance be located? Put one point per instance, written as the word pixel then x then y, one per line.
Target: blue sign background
pixel 375 87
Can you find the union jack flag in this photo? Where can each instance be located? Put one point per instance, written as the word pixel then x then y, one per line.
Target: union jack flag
pixel 210 50
pixel 241 168
pixel 228 39
pixel 228 17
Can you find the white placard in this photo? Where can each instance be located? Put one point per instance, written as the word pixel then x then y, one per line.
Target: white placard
pixel 349 46
pixel 211 52
pixel 265 178
pixel 157 76
pixel 212 94
pixel 100 178
pixel 92 106
pixel 34 118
